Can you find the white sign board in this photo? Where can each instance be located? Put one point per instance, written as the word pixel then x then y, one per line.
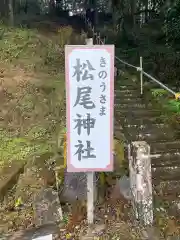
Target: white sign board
pixel 47 237
pixel 90 100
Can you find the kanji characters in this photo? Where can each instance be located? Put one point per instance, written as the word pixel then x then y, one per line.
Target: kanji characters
pixel 86 123
pixel 84 98
pixel 83 69
pixel 81 150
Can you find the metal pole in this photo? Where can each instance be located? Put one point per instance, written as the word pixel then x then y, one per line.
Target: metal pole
pixel 141 74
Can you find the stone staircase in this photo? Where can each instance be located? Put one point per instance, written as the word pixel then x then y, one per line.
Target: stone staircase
pixel 140 121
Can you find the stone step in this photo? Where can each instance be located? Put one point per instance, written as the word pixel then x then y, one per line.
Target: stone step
pixel 166 174
pixel 137 113
pixel 150 135
pixel 125 85
pixel 123 100
pixel 122 86
pixel 127 93
pixel 165 159
pixel 128 96
pixel 125 119
pixel 132 96
pixel 135 126
pixel 165 147
pixel 154 129
pixel 146 120
pixel 126 82
pixel 123 89
pixel 132 105
pixel 126 89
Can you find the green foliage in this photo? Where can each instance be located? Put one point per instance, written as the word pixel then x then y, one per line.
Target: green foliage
pixel 155 38
pixel 32 49
pixel 19 148
pixel 172 23
pixel 170 105
pixel 36 112
pixel 108 33
pixel 64 35
pixel 37 132
pixel 173 106
pixel 159 92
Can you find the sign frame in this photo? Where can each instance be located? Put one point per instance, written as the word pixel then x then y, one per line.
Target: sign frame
pixel 110 50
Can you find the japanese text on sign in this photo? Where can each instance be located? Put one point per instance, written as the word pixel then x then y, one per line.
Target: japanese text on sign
pixel 90 87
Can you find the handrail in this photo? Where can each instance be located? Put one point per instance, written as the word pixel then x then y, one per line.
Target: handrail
pixel 139 69
pixel 128 64
pixel 148 76
pixel 160 83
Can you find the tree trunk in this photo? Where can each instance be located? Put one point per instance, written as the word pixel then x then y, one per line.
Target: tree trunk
pixel 11 13
pixel 146 11
pixel 95 20
pixel 133 10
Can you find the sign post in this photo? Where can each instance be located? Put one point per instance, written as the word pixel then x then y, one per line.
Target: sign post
pixel 90 180
pixel 89 117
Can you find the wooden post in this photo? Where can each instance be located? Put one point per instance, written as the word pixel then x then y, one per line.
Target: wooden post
pixel 90 198
pixel 141 181
pixel 90 180
pixel 141 74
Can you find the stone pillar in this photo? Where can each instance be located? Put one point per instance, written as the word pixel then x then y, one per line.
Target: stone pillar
pixel 141 181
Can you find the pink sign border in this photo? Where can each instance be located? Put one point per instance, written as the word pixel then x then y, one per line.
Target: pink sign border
pixel 68 50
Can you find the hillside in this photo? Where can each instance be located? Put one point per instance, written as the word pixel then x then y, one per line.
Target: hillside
pixel 32 112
